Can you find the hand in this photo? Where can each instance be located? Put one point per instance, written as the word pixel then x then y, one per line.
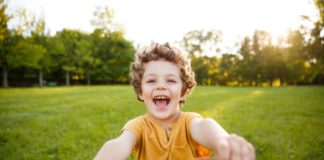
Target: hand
pixel 232 147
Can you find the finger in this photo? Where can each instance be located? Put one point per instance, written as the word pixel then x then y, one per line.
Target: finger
pixel 235 148
pixel 251 151
pixel 222 150
pixel 244 148
pixel 245 154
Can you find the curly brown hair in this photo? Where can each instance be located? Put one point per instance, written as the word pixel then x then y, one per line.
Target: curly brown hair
pixel 162 51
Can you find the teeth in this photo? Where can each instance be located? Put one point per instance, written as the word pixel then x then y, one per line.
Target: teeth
pixel 161 97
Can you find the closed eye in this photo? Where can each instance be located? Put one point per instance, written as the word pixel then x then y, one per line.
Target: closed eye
pixel 172 81
pixel 150 81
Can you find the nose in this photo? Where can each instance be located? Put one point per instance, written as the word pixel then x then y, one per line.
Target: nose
pixel 160 85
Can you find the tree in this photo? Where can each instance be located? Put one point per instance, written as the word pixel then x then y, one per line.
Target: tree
pixel 4 41
pixel 200 42
pixel 261 40
pixel 295 57
pixel 69 56
pixel 228 69
pixel 32 30
pixel 271 61
pixel 56 52
pixel 315 45
pixel 17 50
pixel 115 54
pixel 104 20
pixel 39 37
pixel 206 69
pixel 246 66
pixel 25 54
pixel 112 51
pixel 87 62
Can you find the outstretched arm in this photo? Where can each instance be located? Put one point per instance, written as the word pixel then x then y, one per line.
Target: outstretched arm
pixel 119 148
pixel 226 146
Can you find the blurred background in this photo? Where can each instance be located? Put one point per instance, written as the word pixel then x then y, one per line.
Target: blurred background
pixel 65 63
pixel 230 43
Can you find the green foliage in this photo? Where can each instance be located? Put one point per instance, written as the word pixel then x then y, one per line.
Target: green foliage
pixel 74 122
pixel 315 45
pixel 103 19
pixel 4 32
pixel 245 71
pixel 25 54
pixel 4 18
pixel 206 69
pixel 69 39
pixel 197 42
pixel 293 61
pixel 115 54
pixel 296 57
pixel 103 56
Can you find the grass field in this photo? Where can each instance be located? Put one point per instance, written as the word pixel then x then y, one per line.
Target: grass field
pixel 73 122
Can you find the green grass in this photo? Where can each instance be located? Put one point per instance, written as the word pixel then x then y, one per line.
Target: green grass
pixel 73 122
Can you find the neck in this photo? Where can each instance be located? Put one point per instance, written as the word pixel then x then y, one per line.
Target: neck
pixel 165 123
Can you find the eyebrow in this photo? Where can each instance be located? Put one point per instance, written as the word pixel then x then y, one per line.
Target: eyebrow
pixel 152 74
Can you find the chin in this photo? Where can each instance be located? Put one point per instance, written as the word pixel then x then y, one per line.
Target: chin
pixel 161 114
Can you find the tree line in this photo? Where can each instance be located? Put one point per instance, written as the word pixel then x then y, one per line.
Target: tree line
pixel 297 59
pixel 31 56
pixel 293 61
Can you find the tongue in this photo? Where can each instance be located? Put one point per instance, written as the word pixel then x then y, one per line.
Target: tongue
pixel 161 104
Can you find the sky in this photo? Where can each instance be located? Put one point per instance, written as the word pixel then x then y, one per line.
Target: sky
pixel 169 20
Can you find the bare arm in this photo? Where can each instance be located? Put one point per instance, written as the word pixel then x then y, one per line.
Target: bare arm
pixel 226 146
pixel 204 131
pixel 119 148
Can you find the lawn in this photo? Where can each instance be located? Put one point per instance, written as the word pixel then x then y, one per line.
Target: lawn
pixel 73 122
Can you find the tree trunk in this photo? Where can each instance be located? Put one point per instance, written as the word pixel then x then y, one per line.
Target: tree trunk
pixel 67 78
pixel 40 77
pixel 295 82
pixel 250 83
pixel 258 82
pixel 88 79
pixel 5 76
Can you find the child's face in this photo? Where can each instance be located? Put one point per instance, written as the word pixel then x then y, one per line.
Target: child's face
pixel 161 89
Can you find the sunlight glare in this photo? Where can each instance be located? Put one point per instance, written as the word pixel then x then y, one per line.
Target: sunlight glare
pixel 145 21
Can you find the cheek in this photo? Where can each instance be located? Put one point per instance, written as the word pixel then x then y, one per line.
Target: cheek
pixel 177 90
pixel 146 91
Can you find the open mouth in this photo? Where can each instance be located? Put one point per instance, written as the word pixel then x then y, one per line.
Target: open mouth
pixel 161 100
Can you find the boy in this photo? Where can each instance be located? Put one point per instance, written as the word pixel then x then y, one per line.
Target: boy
pixel 162 78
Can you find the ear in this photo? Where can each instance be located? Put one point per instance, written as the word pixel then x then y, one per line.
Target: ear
pixel 182 98
pixel 140 96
